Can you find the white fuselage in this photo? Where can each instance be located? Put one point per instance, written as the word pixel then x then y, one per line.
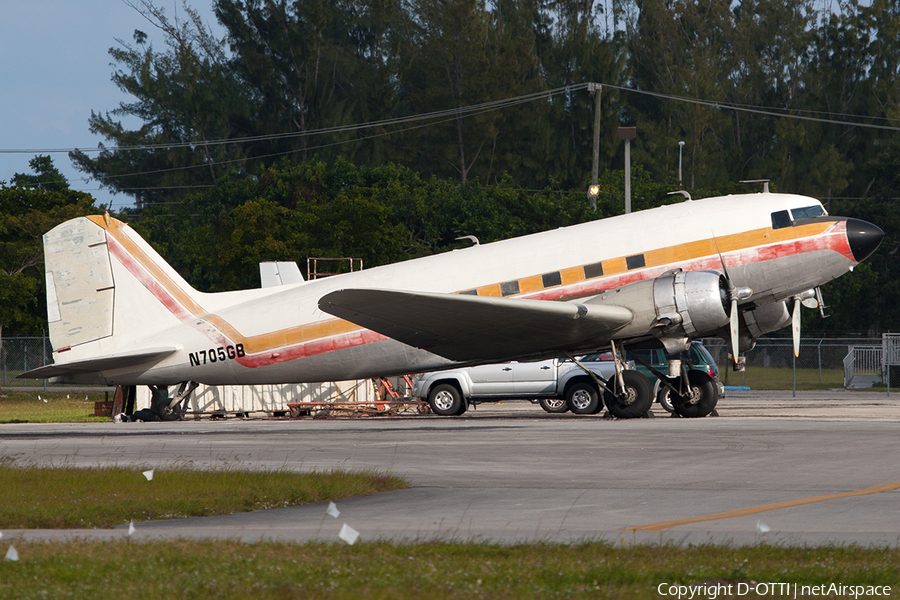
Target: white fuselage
pixel 279 334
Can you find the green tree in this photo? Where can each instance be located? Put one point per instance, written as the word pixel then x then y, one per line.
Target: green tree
pixel 382 215
pixel 682 48
pixel 189 102
pixel 458 53
pixel 312 64
pixel 31 206
pixel 574 49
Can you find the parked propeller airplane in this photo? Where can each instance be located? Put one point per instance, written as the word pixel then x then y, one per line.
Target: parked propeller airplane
pixel 727 266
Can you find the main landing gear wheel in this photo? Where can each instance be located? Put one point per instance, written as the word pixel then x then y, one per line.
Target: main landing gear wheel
pixel 636 400
pixel 553 405
pixel 700 398
pixel 583 399
pixel 445 400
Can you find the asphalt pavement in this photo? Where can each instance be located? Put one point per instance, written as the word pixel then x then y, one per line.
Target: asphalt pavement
pixel 816 468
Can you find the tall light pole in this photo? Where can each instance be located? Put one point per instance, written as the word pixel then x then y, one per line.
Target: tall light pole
pixel 627 134
pixel 595 89
pixel 680 148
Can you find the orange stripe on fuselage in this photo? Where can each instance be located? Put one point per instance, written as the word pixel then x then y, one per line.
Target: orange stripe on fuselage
pixel 183 306
pixel 333 334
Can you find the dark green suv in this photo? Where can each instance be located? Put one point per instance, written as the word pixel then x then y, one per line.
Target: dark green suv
pixel 700 359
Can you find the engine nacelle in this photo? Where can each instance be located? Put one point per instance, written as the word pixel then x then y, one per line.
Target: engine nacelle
pixel 675 307
pixel 757 322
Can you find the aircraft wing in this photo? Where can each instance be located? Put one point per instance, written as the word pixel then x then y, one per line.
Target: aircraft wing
pixel 102 363
pixel 469 328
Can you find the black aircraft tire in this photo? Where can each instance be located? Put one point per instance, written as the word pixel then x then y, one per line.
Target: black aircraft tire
pixel 582 399
pixel 636 401
pixel 445 400
pixel 702 398
pixel 554 405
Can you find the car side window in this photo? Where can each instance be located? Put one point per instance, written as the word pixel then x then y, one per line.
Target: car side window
pixel 648 356
pixel 696 357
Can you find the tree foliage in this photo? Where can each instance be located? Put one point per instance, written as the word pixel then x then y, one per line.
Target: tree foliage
pixel 266 120
pixel 379 214
pixel 33 204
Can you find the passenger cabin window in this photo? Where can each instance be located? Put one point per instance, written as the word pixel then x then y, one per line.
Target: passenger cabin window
pixel 593 270
pixel 551 279
pixel 509 288
pixel 635 262
pixel 807 213
pixel 781 219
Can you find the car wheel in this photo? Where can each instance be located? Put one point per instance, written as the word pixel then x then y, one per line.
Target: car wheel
pixel 663 396
pixel 635 401
pixel 445 400
pixel 554 405
pixel 701 397
pixel 583 399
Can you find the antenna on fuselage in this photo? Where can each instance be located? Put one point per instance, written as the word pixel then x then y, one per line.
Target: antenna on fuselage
pixel 765 183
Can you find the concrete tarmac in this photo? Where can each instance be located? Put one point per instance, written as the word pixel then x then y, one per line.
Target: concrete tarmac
pixel 818 468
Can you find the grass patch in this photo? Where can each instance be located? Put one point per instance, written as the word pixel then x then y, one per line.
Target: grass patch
pixel 781 378
pixel 178 569
pixel 65 498
pixel 61 407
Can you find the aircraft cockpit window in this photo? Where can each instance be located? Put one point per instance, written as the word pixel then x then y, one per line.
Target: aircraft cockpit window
pixel 807 213
pixel 781 219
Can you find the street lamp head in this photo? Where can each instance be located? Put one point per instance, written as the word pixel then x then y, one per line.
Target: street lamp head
pixel 680 144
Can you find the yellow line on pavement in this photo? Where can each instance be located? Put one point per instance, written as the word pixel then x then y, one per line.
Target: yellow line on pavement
pixel 741 512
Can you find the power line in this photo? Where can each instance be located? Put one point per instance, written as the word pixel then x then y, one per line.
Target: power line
pixel 426 120
pixel 771 112
pixel 452 113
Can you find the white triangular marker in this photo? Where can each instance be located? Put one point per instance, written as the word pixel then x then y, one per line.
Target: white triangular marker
pixel 333 510
pixel 12 554
pixel 348 534
pixel 131 528
pixel 762 527
pixel 148 475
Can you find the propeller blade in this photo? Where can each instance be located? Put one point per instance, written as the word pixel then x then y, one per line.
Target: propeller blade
pixel 734 329
pixel 734 315
pixel 795 326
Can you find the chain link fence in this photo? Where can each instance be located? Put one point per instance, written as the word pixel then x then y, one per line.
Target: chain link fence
pixel 18 355
pixel 770 365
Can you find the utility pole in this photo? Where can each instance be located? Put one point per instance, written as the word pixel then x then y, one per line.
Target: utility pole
pixel 627 134
pixel 596 89
pixel 680 148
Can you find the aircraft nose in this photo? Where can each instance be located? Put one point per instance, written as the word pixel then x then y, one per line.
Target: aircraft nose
pixel 863 238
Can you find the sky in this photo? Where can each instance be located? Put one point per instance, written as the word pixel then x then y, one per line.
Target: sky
pixel 55 68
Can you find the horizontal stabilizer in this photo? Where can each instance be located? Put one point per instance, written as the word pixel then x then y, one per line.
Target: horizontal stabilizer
pixel 102 363
pixel 476 328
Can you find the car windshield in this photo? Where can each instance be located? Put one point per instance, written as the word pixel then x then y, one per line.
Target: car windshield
pixel 596 357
